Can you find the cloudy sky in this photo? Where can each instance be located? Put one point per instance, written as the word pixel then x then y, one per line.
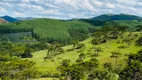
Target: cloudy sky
pixel 67 9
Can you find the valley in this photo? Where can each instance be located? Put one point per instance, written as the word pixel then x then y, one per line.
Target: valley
pixel 70 39
pixel 50 65
pixel 86 49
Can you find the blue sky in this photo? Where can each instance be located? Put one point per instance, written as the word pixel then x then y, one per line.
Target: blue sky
pixel 67 9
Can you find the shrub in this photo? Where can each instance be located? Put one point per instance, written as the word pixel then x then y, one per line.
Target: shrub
pixel 139 42
pixel 27 53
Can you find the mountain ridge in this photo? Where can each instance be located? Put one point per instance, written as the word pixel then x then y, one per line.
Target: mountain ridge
pixel 117 17
pixel 9 18
pixel 99 18
pixel 24 18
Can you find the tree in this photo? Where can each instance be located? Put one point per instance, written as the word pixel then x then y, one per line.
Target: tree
pixel 81 46
pixel 18 70
pixel 114 35
pixel 65 62
pixel 122 28
pixel 98 50
pixel 99 74
pixel 54 50
pixel 79 70
pixel 64 68
pixel 132 71
pixel 139 42
pixel 27 53
pixel 42 45
pixel 107 66
pixel 99 37
pixel 74 43
pixel 139 28
pixel 81 57
pixel 96 41
pixel 50 50
pixel 139 55
pixel 133 68
pixel 107 29
pixel 115 55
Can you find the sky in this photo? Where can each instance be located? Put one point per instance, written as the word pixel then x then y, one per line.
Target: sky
pixel 68 9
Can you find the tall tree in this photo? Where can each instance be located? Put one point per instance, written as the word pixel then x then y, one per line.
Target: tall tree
pixel 132 71
pixel 81 57
pixel 74 43
pixel 27 53
pixel 108 66
pixel 115 55
pixel 18 70
pixel 98 50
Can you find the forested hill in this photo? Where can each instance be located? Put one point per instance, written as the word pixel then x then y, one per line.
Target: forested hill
pixel 51 30
pixel 117 17
pixel 9 18
pixel 131 24
pixel 64 31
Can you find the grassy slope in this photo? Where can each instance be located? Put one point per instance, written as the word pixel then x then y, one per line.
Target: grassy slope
pixel 47 79
pixel 51 65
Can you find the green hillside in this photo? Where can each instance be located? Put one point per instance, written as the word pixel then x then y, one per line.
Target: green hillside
pixel 117 17
pixel 50 65
pixel 76 49
pixel 9 18
pixel 50 30
pixel 62 31
pixel 131 24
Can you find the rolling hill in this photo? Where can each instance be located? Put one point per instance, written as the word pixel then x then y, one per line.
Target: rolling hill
pixel 24 18
pixel 117 17
pixel 62 31
pixel 50 65
pixel 83 47
pixel 131 24
pixel 50 30
pixel 9 19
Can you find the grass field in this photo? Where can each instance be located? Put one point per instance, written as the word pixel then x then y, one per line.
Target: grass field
pixel 50 65
pixel 47 79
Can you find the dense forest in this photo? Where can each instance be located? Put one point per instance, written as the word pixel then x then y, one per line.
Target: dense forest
pixel 50 30
pixel 71 50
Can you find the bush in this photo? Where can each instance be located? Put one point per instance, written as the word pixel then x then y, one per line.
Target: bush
pixel 27 53
pixel 121 47
pixel 69 50
pixel 139 42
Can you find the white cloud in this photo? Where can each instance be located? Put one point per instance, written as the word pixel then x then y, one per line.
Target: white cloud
pixel 88 6
pixel 52 11
pixel 110 5
pixel 30 7
pixel 26 1
pixel 9 5
pixel 97 3
pixel 128 2
pixel 72 16
pixel 69 8
pixel 2 10
pixel 18 14
pixel 50 5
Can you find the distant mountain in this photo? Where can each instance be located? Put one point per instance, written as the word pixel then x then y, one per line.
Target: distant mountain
pixel 117 17
pixel 2 21
pixel 9 19
pixel 24 18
